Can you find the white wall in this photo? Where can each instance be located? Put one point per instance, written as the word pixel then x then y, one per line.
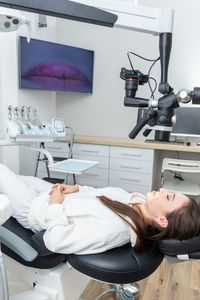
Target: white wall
pixel 103 113
pixel 8 91
pixel 43 101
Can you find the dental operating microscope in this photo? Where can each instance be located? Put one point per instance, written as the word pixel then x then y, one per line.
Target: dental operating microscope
pixel 155 114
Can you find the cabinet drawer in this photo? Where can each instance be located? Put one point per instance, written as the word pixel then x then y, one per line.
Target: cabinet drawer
pixel 57 146
pixel 131 153
pixel 94 177
pixel 131 177
pixel 42 174
pixel 103 161
pixel 128 165
pixel 89 149
pixel 132 188
pixel 91 182
pixel 97 174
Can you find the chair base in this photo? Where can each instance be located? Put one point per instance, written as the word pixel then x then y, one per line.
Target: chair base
pixel 123 292
pixel 59 283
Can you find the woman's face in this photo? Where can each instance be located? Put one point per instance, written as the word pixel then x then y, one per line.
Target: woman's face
pixel 160 203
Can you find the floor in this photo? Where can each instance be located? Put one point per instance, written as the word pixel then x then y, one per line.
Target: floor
pixel 169 282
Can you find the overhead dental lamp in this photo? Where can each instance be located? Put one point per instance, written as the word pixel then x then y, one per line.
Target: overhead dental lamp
pixel 11 20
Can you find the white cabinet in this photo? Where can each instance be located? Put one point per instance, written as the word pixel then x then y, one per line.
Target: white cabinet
pixel 131 168
pixel 99 175
pixel 126 167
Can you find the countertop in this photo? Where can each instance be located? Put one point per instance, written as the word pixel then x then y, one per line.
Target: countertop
pixel 136 143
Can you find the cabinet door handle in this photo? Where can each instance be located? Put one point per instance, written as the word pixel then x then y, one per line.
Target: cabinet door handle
pixel 130 167
pixel 129 179
pixel 54 147
pixel 92 151
pixel 132 154
pixel 92 175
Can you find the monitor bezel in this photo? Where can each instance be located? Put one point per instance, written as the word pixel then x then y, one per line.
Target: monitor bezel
pixel 51 90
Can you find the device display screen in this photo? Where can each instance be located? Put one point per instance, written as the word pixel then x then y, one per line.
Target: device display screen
pixel 51 66
pixel 187 121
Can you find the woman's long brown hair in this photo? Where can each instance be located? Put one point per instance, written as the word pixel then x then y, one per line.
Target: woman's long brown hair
pixel 183 223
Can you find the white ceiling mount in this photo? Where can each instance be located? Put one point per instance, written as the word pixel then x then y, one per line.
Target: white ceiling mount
pixel 42 22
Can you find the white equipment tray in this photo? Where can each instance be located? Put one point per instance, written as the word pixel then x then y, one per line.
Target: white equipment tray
pixel 75 166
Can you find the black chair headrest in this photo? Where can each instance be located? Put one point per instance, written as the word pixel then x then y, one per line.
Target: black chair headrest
pixel 175 247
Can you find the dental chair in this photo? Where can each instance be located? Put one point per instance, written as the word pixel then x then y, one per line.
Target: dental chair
pixel 52 276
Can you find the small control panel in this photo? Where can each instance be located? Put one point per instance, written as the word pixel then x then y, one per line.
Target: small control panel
pixel 59 126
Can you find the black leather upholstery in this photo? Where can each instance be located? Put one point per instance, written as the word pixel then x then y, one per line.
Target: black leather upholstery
pixel 37 243
pixel 175 247
pixel 194 255
pixel 41 262
pixel 119 265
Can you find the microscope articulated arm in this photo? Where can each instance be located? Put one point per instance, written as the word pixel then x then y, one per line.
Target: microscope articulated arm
pixel 134 17
pixel 149 116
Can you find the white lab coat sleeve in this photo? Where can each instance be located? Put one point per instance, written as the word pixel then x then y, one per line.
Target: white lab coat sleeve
pixel 85 188
pixel 113 193
pixel 36 185
pixel 83 237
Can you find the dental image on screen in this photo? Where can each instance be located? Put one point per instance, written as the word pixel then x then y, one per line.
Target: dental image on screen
pixel 51 66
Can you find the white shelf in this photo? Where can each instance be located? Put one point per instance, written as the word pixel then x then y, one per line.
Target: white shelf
pixel 74 166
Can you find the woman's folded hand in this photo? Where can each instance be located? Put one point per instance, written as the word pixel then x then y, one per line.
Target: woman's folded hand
pixel 57 196
pixel 66 189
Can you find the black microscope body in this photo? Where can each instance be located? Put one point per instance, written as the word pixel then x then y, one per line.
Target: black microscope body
pixel 157 114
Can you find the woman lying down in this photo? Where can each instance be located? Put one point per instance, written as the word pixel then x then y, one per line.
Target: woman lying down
pixel 85 220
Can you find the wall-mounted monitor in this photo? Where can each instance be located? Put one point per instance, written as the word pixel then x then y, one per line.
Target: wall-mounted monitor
pixel 56 67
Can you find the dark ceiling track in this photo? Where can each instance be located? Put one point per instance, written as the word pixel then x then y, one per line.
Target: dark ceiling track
pixel 64 9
